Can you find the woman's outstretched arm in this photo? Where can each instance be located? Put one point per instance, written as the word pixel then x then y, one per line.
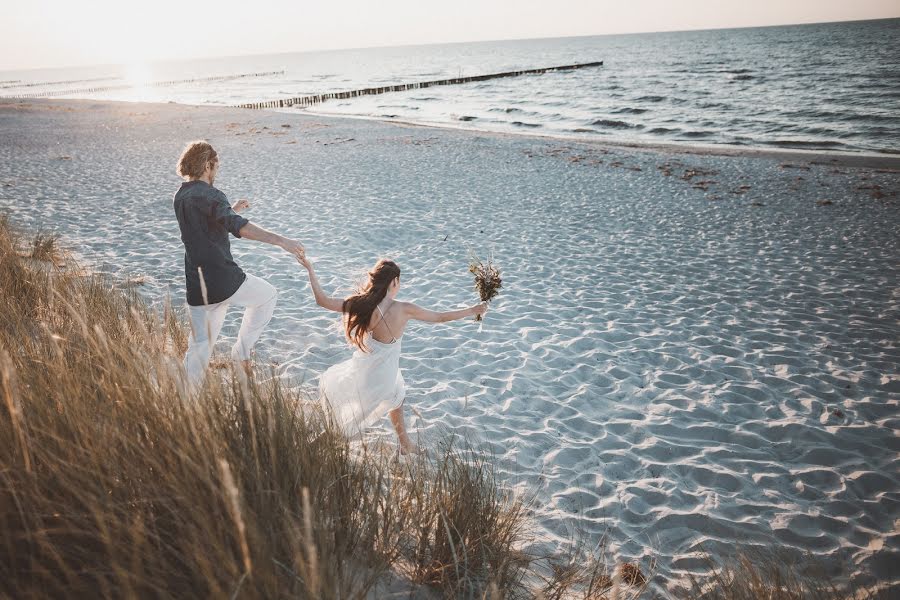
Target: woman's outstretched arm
pixel 429 316
pixel 322 299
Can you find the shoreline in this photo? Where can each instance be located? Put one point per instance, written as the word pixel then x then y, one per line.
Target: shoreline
pixel 860 159
pixel 863 160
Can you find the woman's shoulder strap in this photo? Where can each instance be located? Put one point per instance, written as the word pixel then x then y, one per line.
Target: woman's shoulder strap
pixel 383 320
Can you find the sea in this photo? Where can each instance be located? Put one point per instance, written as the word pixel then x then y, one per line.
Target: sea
pixel 831 87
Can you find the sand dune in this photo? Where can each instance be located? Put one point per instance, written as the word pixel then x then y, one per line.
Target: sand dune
pixel 690 351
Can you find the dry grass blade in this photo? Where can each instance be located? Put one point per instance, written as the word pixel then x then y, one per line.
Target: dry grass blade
pixel 312 556
pixel 12 405
pixel 234 503
pixel 45 247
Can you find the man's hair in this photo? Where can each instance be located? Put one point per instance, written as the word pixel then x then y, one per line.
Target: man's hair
pixel 194 159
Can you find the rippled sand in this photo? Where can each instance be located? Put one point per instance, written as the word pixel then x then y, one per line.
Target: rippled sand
pixel 690 351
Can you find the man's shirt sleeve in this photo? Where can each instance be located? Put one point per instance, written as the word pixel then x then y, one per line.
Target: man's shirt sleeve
pixel 225 215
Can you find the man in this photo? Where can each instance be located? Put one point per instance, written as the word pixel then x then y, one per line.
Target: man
pixel 214 280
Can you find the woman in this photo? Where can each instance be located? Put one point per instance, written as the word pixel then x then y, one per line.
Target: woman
pixel 360 390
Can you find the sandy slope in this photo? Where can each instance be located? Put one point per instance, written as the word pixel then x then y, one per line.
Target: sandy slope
pixel 672 363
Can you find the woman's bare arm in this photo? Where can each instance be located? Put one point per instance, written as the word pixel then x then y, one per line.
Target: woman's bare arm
pixel 322 299
pixel 430 316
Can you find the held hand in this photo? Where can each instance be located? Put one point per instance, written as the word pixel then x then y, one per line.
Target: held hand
pixel 303 260
pixel 479 309
pixel 294 247
pixel 242 204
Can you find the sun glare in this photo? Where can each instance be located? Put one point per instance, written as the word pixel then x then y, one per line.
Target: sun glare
pixel 138 74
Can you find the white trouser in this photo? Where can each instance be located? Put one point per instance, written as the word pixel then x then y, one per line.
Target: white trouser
pixel 258 296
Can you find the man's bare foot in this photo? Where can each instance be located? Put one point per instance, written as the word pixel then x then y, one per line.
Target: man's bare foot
pixel 243 372
pixel 408 448
pixel 244 367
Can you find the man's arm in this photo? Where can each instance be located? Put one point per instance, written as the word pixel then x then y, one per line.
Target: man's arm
pixel 257 233
pixel 242 228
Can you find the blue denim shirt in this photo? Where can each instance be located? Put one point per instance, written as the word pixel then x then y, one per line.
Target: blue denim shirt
pixel 206 218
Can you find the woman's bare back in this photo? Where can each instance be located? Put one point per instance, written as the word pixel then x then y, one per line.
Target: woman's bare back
pixel 388 322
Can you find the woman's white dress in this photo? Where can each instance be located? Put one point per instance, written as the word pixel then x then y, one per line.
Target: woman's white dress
pixel 364 388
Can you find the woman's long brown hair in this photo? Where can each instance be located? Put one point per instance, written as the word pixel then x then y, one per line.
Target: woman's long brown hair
pixel 358 308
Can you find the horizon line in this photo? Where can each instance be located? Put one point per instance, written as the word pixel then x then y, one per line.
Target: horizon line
pixel 443 43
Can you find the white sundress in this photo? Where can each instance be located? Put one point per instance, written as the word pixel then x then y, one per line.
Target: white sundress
pixel 361 390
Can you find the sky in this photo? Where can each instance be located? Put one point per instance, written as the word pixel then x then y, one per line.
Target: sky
pixel 59 33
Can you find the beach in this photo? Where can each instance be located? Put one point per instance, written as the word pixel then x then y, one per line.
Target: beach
pixel 695 349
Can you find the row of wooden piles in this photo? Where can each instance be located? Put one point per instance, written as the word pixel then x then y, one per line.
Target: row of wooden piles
pixel 302 101
pixel 125 86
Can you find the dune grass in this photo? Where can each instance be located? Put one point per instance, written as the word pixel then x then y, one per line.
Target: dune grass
pixel 45 246
pixel 114 484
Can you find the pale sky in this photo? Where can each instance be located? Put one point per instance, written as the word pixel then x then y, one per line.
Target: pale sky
pixel 57 33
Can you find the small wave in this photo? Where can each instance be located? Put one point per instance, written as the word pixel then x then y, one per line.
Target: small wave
pixel 804 144
pixel 651 99
pixel 612 124
pixel 818 131
pixel 523 124
pixel 876 86
pixel 583 130
pixel 696 134
pixel 740 77
pixel 866 118
pixel 663 130
pixel 630 111
pixel 506 110
pixel 464 117
pixel 425 99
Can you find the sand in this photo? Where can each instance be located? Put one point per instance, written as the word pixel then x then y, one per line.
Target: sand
pixel 693 349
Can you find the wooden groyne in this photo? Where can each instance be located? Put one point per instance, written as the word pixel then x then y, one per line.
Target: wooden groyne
pixel 318 98
pixel 18 83
pixel 126 86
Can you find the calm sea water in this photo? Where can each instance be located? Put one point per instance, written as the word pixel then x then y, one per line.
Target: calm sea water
pixel 832 87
